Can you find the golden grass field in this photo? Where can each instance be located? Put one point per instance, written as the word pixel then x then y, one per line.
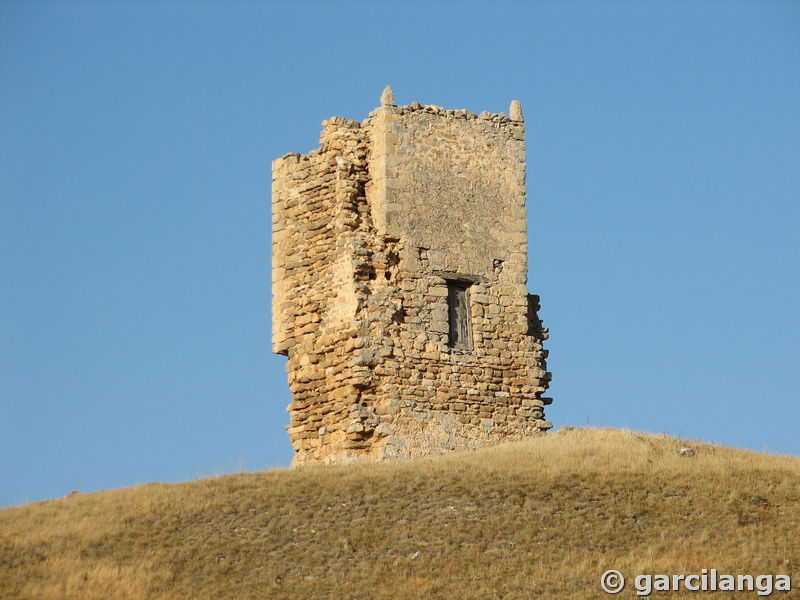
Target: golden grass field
pixel 542 518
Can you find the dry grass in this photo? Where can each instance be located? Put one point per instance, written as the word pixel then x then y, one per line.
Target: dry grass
pixel 542 518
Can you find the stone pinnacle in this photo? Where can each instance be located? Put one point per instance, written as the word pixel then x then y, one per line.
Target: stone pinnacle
pixel 387 97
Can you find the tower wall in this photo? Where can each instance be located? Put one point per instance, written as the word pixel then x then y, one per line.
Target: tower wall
pixel 388 238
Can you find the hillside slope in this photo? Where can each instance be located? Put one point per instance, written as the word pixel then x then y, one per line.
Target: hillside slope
pixel 541 518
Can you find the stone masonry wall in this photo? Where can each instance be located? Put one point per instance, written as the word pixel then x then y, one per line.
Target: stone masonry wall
pixel 368 231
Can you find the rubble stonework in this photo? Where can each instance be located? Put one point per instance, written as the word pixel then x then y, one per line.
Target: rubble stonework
pixel 399 271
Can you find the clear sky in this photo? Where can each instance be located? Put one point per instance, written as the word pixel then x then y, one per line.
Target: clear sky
pixel 135 144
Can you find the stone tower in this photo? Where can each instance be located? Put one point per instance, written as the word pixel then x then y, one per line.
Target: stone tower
pixel 399 271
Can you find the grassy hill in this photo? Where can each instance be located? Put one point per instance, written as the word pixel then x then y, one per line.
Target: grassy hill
pixel 542 518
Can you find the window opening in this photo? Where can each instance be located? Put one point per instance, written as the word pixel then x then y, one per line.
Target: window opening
pixel 459 315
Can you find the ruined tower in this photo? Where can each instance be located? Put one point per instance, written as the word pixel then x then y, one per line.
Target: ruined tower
pixel 399 271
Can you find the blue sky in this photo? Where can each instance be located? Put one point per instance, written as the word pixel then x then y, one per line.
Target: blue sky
pixel 135 144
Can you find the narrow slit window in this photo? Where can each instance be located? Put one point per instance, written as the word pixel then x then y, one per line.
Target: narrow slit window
pixel 459 315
